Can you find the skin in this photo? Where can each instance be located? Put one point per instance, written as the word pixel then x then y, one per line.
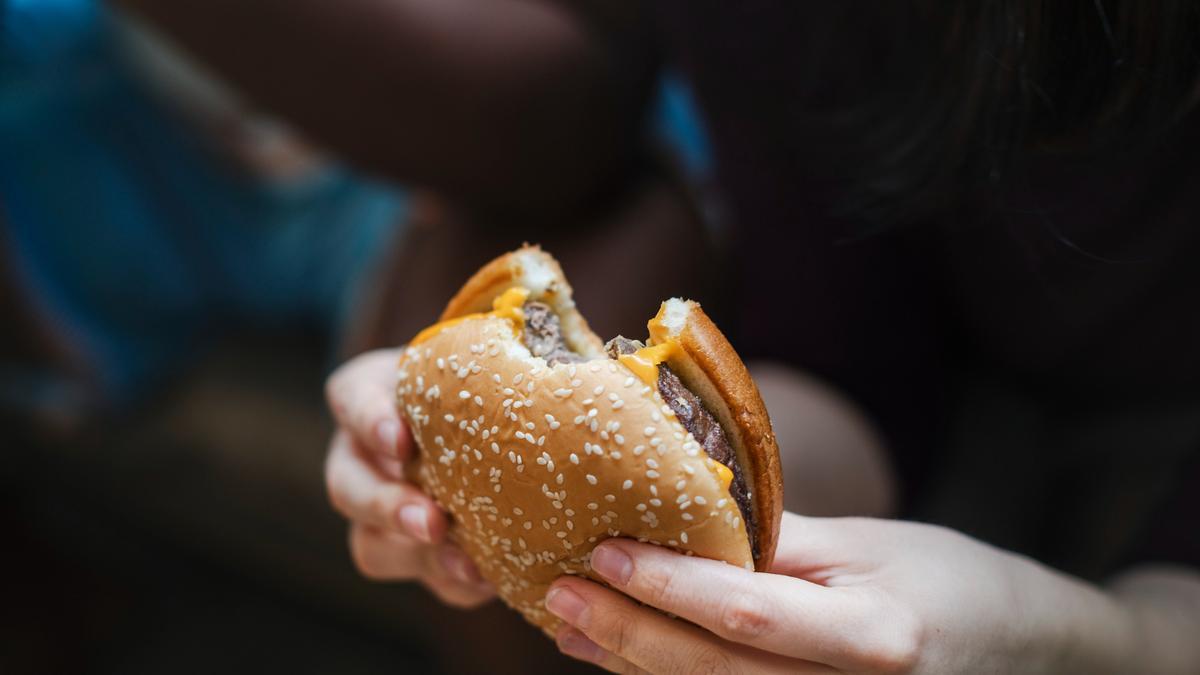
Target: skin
pixel 855 595
pixel 527 109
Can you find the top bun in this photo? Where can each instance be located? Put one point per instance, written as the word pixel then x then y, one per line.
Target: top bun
pixel 537 464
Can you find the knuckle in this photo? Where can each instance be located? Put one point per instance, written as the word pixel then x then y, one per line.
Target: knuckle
pixel 335 389
pixel 744 617
pixel 897 647
pixel 706 660
pixel 366 561
pixel 660 584
pixel 335 490
pixel 617 633
pixel 382 505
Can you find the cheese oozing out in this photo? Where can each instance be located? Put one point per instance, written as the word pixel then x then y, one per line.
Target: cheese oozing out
pixel 507 305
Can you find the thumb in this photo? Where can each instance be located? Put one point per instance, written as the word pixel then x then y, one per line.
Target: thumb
pixel 814 549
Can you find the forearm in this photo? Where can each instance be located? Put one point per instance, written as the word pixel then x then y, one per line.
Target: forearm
pixel 508 104
pixel 1164 604
pixel 1145 622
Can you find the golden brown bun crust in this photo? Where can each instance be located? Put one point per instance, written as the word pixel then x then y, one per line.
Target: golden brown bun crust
pixel 537 465
pixel 533 268
pixel 710 352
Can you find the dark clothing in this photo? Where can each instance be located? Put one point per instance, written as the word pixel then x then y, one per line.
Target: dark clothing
pixel 1034 361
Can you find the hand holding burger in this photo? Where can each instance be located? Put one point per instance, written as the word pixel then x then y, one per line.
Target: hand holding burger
pixel 645 540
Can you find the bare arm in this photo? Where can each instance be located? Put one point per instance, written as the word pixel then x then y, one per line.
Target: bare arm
pixel 505 104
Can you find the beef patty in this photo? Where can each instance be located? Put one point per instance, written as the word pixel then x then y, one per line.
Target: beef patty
pixel 703 426
pixel 543 335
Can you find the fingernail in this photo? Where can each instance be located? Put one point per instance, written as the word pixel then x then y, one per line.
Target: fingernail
pixel 613 564
pixel 415 519
pixel 388 431
pixel 576 644
pixel 459 566
pixel 567 605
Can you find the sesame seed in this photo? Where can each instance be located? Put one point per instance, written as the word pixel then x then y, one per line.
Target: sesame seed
pixel 610 498
pixel 615 454
pixel 591 479
pixel 638 450
pixel 655 501
pixel 651 462
pixel 448 417
pixel 679 485
pixel 652 474
pixel 598 390
pixel 574 458
pixel 627 484
pixel 576 383
pixel 683 537
pixel 640 507
pixel 629 381
pixel 686 516
pixel 562 393
pixel 701 500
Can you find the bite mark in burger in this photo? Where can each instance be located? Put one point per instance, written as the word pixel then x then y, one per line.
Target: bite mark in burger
pixel 541 441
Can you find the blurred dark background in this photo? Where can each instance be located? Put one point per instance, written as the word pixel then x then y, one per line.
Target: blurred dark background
pixel 993 257
pixel 180 273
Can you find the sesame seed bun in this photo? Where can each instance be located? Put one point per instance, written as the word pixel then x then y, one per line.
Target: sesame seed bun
pixel 538 464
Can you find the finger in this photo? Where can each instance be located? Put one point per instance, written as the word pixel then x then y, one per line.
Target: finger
pixel 460 594
pixel 650 640
pixel 821 549
pixel 390 556
pixel 362 397
pixel 358 492
pixel 575 644
pixel 774 613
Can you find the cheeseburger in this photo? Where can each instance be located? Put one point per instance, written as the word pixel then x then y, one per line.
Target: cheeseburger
pixel 541 440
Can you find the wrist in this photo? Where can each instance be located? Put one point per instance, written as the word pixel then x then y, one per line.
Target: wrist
pixel 1065 625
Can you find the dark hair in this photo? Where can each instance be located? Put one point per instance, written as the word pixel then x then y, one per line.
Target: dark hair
pixel 973 88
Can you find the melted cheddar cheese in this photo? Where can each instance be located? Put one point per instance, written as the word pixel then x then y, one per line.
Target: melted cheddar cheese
pixel 507 305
